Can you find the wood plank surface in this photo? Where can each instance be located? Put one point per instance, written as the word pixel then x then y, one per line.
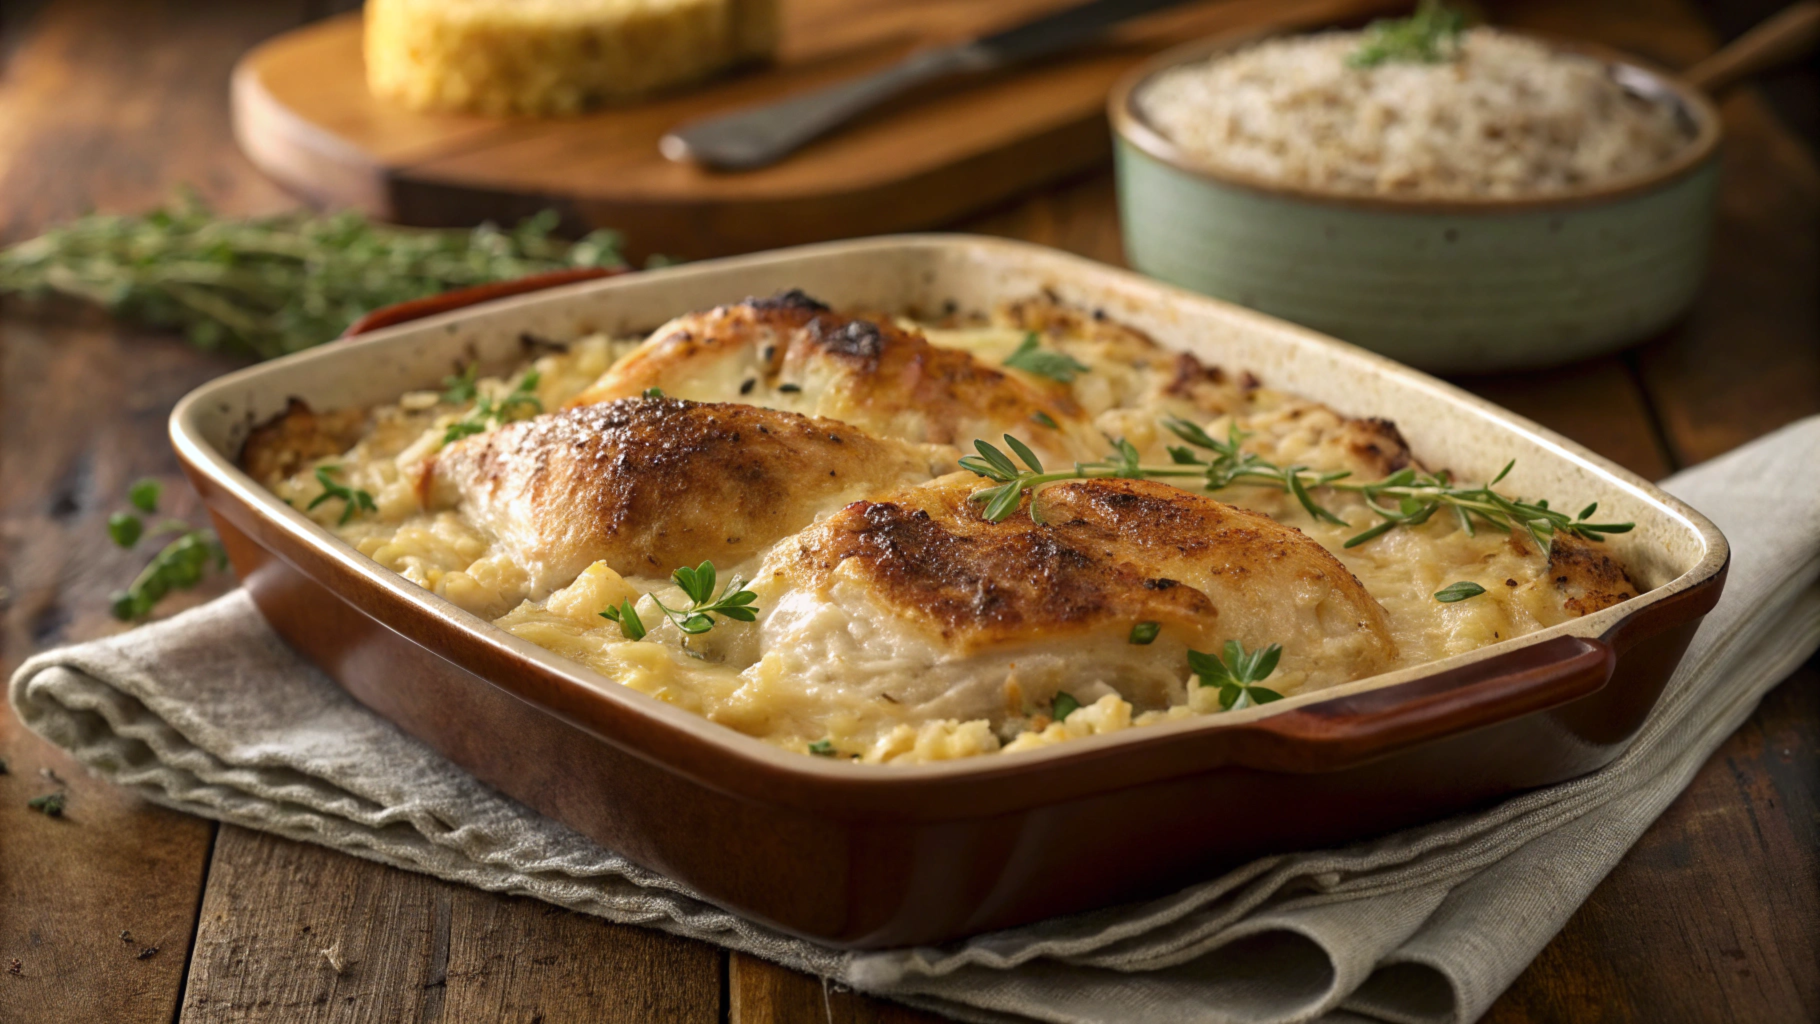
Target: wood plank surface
pixel 295 932
pixel 82 409
pixel 109 103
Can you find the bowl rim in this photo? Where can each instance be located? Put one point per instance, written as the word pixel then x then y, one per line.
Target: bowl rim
pixel 707 751
pixel 1129 127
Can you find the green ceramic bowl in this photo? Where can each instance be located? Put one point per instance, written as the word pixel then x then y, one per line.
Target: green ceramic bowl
pixel 1446 285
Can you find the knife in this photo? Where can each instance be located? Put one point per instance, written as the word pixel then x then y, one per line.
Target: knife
pixel 762 135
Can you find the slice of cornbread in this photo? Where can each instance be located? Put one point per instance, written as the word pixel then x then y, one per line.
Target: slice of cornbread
pixel 554 56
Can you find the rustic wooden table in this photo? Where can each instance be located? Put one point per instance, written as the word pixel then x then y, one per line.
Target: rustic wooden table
pixel 123 911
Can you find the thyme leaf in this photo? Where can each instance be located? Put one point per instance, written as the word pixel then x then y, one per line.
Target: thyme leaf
pixel 1144 633
pixel 519 403
pixel 1031 357
pixel 1458 592
pixel 353 500
pixel 50 804
pixel 181 564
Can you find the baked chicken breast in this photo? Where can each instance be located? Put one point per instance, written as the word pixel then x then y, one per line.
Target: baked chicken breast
pixel 791 352
pixel 912 606
pixel 647 485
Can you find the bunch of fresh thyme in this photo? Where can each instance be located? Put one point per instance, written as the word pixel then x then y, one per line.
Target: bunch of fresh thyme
pixel 273 285
pixel 1429 36
pixel 1405 498
pixel 181 564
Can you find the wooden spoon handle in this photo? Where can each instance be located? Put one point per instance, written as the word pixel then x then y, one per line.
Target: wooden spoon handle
pixel 1785 37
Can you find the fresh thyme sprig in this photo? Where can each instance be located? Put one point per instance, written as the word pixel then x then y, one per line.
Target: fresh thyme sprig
pixel 272 285
pixel 1429 36
pixel 1031 357
pixel 181 564
pixel 735 602
pixel 1239 675
pixel 353 500
pixel 1405 498
pixel 519 403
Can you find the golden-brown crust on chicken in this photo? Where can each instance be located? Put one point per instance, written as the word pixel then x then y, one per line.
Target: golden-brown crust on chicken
pixel 651 484
pixel 1587 574
pixel 296 437
pixel 791 352
pixel 1108 554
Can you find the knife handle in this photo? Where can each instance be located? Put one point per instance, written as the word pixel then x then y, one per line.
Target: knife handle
pixel 762 135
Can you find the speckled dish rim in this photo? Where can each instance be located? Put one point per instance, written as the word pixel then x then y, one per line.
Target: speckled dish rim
pixel 770 768
pixel 1130 126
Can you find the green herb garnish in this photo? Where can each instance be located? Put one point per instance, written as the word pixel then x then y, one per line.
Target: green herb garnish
pixel 1064 705
pixel 1239 675
pixel 144 493
pixel 1405 498
pixel 630 625
pixel 822 748
pixel 277 284
pixel 50 804
pixel 521 402
pixel 1044 419
pixel 735 602
pixel 1032 358
pixel 1458 592
pixel 353 500
pixel 125 528
pixel 1429 36
pixel 1144 633
pixel 460 388
pixel 654 392
pixel 180 565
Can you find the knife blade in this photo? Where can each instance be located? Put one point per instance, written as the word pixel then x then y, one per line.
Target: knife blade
pixel 762 135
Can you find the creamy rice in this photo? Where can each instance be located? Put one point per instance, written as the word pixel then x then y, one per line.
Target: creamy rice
pixel 1508 117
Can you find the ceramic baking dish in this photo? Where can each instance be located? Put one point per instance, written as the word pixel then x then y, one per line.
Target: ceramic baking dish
pixel 870 856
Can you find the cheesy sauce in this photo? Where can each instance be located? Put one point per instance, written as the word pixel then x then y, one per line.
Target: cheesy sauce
pixel 730 676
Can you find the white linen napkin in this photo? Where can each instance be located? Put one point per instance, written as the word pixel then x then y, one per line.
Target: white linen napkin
pixel 210 713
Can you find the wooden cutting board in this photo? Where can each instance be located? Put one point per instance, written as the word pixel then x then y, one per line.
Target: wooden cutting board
pixel 302 113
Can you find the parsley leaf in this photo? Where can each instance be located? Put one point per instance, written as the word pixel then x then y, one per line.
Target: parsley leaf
pixel 822 748
pixel 1238 675
pixel 1144 633
pixel 1065 704
pixel 1429 36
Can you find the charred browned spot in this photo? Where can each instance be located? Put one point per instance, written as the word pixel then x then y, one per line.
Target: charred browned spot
pixel 860 339
pixel 795 298
pixel 1378 444
pixel 1190 372
pixel 1589 577
pixel 298 436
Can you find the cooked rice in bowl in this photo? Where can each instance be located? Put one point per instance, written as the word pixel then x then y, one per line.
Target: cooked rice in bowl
pixel 1506 117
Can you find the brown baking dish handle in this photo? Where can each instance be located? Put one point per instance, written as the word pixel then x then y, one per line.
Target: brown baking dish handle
pixel 431 305
pixel 1359 727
